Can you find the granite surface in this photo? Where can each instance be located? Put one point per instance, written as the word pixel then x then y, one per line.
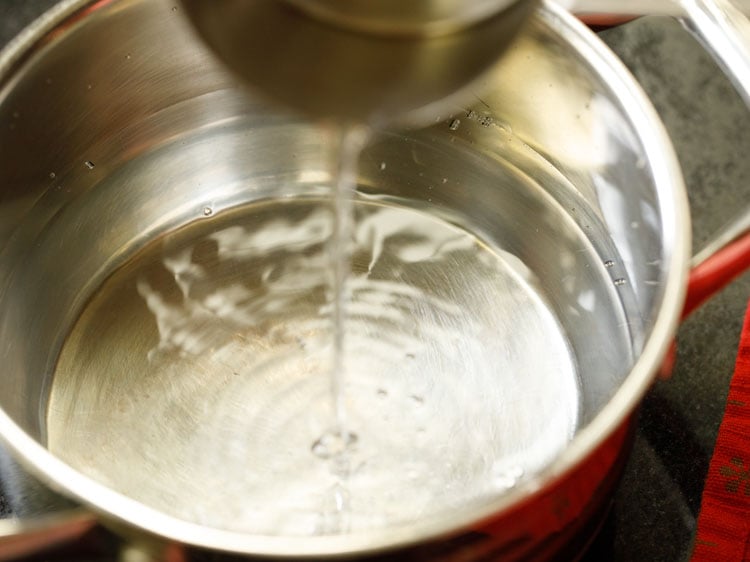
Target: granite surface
pixel 655 509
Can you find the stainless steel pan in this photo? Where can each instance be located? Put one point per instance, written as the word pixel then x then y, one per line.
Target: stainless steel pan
pixel 129 160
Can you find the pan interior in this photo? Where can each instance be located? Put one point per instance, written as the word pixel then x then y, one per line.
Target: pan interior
pixel 195 379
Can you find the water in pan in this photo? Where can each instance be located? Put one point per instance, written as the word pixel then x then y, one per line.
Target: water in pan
pixel 196 378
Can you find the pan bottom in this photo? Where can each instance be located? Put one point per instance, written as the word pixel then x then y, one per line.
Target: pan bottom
pixel 196 380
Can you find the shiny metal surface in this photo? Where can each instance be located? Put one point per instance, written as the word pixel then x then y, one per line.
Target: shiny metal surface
pixel 337 70
pixel 560 168
pixel 391 17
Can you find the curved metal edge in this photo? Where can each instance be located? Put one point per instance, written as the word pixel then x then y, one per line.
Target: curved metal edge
pixel 22 45
pixel 724 31
pixel 440 18
pixel 675 215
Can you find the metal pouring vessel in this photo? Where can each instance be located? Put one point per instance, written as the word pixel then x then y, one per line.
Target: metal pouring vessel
pixel 360 62
pixel 123 133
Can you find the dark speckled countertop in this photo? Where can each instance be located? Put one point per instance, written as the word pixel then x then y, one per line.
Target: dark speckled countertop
pixel 655 509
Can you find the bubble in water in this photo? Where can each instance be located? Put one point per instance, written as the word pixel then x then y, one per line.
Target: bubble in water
pixel 52 175
pixel 486 121
pixel 207 211
pixel 382 392
pixel 174 8
pixel 335 515
pixel 445 180
pixel 128 56
pixel 89 164
pixel 454 125
pixel 507 477
pixel 16 115
pixel 333 443
pixel 341 497
pixel 382 165
pixel 620 282
pixel 609 263
pixel 418 400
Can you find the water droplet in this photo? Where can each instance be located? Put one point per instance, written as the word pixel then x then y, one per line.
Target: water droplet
pixel 89 164
pixel 52 175
pixel 418 400
pixel 382 165
pixel 174 8
pixel 445 180
pixel 382 392
pixel 620 282
pixel 410 356
pixel 128 56
pixel 609 263
pixel 454 125
pixel 207 211
pixel 333 443
pixel 88 86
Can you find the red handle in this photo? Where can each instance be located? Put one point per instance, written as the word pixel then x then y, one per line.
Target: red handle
pixel 707 279
pixel 716 272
